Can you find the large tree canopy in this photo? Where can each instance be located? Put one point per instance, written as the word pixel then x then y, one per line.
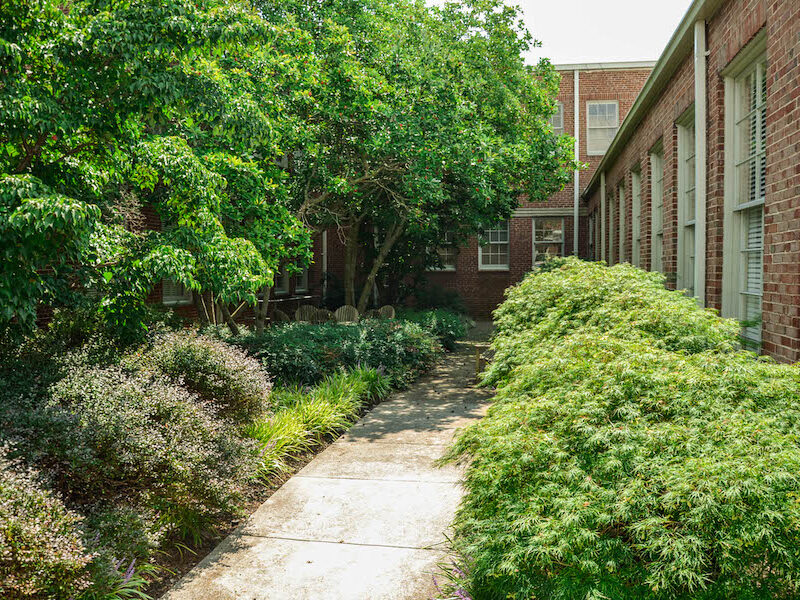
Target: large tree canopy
pixel 399 121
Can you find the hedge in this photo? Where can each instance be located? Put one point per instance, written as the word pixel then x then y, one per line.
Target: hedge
pixel 632 450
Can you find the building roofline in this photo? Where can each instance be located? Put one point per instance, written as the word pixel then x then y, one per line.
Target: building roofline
pixel 680 45
pixel 607 66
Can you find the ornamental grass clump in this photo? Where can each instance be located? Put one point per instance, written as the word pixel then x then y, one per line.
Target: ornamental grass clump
pixel 614 466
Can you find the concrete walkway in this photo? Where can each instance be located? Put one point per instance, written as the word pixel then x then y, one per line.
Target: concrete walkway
pixel 367 518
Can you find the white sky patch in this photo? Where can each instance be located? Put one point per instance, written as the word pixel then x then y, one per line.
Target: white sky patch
pixel 581 31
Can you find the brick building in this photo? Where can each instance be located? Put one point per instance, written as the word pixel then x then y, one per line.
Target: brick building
pixel 702 181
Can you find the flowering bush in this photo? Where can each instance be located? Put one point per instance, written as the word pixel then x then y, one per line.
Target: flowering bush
pixel 631 451
pixel 41 553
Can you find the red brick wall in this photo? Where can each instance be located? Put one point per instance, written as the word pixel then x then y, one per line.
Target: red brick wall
pixel 728 32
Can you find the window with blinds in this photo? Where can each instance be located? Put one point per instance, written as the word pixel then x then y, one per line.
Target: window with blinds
pixel 557 120
pixel 548 239
pixel 448 253
pixel 636 217
pixel 174 293
pixel 493 251
pixel 602 123
pixel 623 232
pixel 686 205
pixel 750 165
pixel 657 210
pixel 612 249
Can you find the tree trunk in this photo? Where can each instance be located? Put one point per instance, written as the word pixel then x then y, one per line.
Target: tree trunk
pixel 261 310
pixel 226 315
pixel 389 241
pixel 350 259
pixel 197 300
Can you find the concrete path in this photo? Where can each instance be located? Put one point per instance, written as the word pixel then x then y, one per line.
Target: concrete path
pixel 367 518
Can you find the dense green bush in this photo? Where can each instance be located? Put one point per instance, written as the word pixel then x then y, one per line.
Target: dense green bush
pixel 221 374
pixel 617 463
pixel 41 552
pixel 302 353
pixel 304 417
pixel 446 325
pixel 622 301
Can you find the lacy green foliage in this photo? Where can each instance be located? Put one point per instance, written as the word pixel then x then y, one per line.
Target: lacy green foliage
pixel 305 417
pixel 222 375
pixel 613 464
pixel 302 353
pixel 41 553
pixel 444 324
pixel 621 300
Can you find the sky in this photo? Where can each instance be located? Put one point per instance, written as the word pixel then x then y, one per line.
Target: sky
pixel 587 31
pixel 580 31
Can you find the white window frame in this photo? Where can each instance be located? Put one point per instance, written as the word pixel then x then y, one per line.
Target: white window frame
pixel 174 293
pixel 636 217
pixel 687 204
pixel 621 197
pixel 442 250
pixel 741 205
pixel 488 243
pixel 546 242
pixel 557 120
pixel 657 209
pixel 612 248
pixel 590 127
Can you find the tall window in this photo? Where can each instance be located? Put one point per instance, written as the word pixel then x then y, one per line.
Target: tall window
pixel 686 205
pixel 548 239
pixel 557 120
pixel 612 249
pixel 601 125
pixel 636 217
pixel 281 285
pixel 591 235
pixel 657 209
pixel 301 281
pixel 174 293
pixel 448 252
pixel 493 251
pixel 622 213
pixel 744 204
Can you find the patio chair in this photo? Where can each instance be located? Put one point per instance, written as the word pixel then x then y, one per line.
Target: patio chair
pixel 346 314
pixel 323 315
pixel 278 316
pixel 386 312
pixel 305 313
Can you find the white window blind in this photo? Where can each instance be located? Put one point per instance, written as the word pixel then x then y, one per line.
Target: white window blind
pixel 657 210
pixel 686 208
pixel 557 120
pixel 636 218
pixel 493 252
pixel 602 124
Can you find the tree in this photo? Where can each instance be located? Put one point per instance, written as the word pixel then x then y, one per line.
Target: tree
pixel 424 118
pixel 109 109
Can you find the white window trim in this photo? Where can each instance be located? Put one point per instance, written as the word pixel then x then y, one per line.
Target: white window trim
pixel 732 264
pixel 589 128
pixel 612 248
pixel 636 217
pixel 445 268
pixel 657 224
pixel 559 112
pixel 685 280
pixel 621 197
pixel 533 237
pixel 505 267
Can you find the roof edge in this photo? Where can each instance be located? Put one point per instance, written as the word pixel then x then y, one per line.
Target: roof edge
pixel 606 66
pixel 680 44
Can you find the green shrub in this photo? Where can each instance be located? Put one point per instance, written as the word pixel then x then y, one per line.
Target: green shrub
pixel 629 454
pixel 304 417
pixel 303 353
pixel 41 553
pixel 622 301
pixel 221 374
pixel 446 325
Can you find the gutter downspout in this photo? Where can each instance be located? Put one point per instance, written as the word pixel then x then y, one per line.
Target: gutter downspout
pixel 701 154
pixel 603 216
pixel 577 176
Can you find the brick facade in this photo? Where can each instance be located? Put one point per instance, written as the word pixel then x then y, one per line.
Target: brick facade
pixel 732 29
